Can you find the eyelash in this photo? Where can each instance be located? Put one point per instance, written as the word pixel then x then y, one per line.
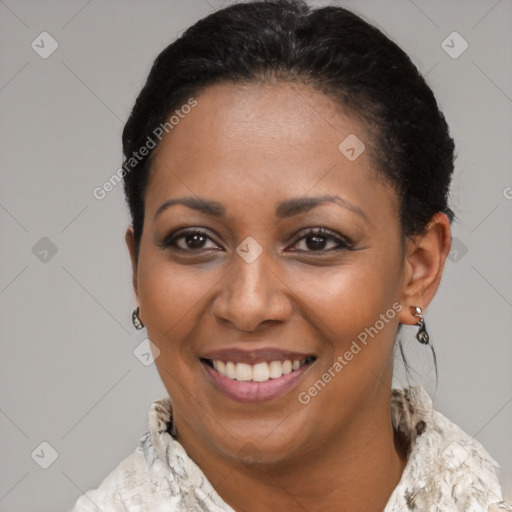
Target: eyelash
pixel 343 244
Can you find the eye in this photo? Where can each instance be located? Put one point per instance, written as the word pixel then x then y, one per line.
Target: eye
pixel 314 240
pixel 193 240
pixel 317 239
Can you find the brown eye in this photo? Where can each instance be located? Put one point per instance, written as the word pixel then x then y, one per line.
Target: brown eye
pixel 194 240
pixel 316 240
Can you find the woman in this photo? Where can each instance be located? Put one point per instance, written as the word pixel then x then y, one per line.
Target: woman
pixel 287 172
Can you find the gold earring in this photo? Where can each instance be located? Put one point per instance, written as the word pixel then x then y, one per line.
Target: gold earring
pixel 422 334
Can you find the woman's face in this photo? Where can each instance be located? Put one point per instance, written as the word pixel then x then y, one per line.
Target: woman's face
pixel 289 250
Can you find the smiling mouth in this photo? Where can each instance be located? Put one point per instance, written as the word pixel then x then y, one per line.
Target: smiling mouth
pixel 259 372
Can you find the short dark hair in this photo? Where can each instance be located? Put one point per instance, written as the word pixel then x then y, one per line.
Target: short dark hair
pixel 334 51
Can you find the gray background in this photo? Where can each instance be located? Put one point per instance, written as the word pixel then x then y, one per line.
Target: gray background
pixel 68 374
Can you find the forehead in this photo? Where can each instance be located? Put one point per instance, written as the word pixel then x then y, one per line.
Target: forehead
pixel 263 142
pixel 293 116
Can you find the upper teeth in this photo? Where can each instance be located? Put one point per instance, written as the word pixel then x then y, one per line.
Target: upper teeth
pixel 259 372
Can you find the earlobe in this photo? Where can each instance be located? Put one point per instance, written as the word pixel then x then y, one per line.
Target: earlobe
pixel 424 263
pixel 130 243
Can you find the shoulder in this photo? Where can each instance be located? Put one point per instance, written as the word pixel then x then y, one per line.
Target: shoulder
pixel 112 493
pixel 447 468
pixel 133 485
pixel 158 476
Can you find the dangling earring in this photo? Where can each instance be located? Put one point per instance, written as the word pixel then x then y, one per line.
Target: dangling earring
pixel 422 334
pixel 136 320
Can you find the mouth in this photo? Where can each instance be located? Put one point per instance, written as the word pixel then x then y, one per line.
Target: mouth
pixel 259 372
pixel 253 379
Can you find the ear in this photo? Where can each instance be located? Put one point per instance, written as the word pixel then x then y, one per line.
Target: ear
pixel 425 256
pixel 130 243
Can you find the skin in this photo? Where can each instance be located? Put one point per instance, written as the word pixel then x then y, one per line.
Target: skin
pixel 249 148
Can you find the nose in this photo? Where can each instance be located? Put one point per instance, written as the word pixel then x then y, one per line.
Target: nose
pixel 252 294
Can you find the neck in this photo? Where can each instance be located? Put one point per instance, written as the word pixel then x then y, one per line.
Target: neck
pixel 358 469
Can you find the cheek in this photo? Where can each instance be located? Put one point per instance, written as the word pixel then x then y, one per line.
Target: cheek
pixel 165 297
pixel 347 299
pixel 170 299
pixel 174 300
pixel 353 310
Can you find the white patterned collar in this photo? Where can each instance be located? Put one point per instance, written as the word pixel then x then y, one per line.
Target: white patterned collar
pixel 447 470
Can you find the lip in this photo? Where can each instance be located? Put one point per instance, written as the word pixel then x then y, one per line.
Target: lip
pixel 239 355
pixel 252 392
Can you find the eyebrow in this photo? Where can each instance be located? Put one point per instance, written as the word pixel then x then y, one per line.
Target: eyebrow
pixel 288 208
